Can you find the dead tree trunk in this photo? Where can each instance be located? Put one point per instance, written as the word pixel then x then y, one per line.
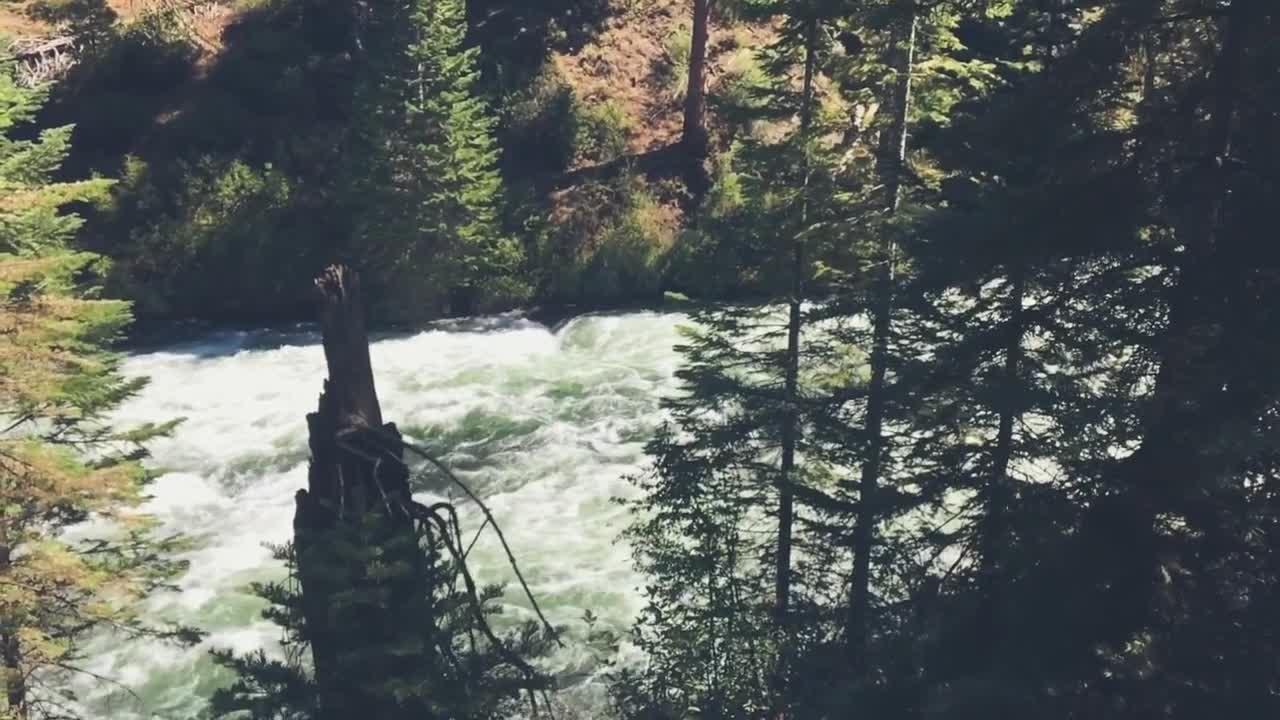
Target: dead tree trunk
pixel 365 583
pixel 11 669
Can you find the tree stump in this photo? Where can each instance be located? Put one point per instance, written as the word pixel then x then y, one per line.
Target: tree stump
pixel 365 582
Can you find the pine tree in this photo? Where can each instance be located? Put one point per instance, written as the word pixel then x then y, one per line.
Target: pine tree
pixel 694 137
pixel 470 678
pixel 903 68
pixel 739 592
pixel 434 186
pixel 60 462
pixel 1065 248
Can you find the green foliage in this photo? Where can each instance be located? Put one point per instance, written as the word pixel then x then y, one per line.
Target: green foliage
pixel 672 69
pixel 711 259
pixel 736 96
pixel 464 674
pixel 1069 306
pixel 627 263
pixel 602 131
pixel 1078 289
pixel 435 229
pixel 224 216
pixel 540 125
pixel 608 245
pixel 704 531
pixel 60 463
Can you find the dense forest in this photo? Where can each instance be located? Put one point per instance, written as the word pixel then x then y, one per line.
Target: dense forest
pixel 979 385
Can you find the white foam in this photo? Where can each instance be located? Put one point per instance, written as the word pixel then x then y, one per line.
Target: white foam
pixel 579 403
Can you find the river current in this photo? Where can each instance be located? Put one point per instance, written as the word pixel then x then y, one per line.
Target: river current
pixel 544 424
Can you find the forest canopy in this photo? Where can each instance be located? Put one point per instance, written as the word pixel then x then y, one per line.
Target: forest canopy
pixel 977 388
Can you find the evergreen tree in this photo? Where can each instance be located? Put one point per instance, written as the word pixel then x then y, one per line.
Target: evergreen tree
pixel 60 462
pixel 434 186
pixel 739 590
pixel 1050 284
pixel 903 68
pixel 470 677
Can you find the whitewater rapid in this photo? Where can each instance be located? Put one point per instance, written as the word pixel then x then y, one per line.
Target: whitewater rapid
pixel 545 425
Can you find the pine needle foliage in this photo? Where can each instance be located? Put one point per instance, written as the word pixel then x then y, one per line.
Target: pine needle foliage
pixel 437 197
pixel 61 462
pixel 468 676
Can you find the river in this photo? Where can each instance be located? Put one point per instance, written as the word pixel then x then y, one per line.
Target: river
pixel 545 424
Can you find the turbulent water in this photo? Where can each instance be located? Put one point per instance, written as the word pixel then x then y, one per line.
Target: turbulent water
pixel 545 425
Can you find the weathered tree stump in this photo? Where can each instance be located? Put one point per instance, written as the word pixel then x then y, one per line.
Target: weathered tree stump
pixel 365 582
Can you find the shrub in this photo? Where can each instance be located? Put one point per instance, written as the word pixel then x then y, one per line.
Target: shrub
pixel 704 260
pixel 738 93
pixel 601 133
pixel 539 126
pixel 625 262
pixel 216 246
pixel 546 128
pixel 604 243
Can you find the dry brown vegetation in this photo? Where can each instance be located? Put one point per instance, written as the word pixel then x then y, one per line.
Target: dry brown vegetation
pixel 618 66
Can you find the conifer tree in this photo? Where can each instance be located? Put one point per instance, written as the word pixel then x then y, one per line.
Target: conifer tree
pixel 436 194
pixel 60 461
pixel 739 591
pixel 470 678
pixel 903 66
pixel 1058 263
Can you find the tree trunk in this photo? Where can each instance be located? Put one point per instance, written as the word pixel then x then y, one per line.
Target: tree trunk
pixel 999 489
pixel 1179 454
pixel 790 431
pixel 695 100
pixel 695 140
pixel 353 511
pixel 15 678
pixel 864 534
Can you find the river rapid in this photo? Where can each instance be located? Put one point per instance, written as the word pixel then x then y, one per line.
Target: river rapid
pixel 544 424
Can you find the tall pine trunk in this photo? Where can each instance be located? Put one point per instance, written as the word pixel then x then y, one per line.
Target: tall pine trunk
pixel 999 489
pixel 15 679
pixel 694 136
pixel 790 429
pixel 892 173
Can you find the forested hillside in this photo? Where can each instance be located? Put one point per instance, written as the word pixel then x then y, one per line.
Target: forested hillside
pixel 255 142
pixel 974 398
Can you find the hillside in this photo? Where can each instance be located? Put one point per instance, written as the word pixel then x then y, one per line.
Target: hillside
pixel 251 102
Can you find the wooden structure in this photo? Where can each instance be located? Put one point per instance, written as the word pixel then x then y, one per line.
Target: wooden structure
pixel 44 60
